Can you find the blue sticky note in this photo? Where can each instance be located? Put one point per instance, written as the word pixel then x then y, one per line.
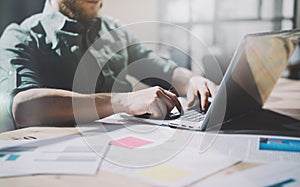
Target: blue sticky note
pixel 13 157
pixel 276 144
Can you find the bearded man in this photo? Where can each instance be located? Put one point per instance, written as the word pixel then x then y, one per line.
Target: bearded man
pixel 40 57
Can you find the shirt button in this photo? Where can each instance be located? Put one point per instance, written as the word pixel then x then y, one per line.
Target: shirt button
pixel 10 73
pixel 74 48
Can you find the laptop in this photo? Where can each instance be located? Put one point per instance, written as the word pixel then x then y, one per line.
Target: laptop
pixel 253 71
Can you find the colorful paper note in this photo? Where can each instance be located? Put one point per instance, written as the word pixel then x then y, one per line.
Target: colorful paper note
pixel 12 157
pixel 165 173
pixel 278 144
pixel 130 142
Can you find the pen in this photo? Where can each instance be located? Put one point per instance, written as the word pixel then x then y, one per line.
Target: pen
pixel 29 138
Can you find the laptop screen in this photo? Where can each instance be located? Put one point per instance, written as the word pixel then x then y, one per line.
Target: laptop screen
pixel 252 74
pixel 264 59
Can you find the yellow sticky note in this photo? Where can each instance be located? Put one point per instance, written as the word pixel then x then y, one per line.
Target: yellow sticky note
pixel 165 173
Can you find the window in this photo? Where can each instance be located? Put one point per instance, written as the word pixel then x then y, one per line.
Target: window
pixel 221 24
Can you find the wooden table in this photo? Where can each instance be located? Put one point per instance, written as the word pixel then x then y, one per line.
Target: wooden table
pixel 285 99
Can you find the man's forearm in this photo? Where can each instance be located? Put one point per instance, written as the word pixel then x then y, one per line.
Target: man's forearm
pixel 53 107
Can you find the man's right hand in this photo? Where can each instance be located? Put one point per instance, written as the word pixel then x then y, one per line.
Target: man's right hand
pixel 154 101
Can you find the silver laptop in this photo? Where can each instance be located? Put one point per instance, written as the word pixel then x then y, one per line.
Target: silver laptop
pixel 253 72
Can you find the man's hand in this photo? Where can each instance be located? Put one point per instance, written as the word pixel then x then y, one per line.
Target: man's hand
pixel 195 88
pixel 154 101
pixel 199 90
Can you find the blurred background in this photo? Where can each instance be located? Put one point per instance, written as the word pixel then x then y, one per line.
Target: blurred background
pixel 221 24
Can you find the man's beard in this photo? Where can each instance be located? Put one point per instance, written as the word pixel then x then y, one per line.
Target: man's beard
pixel 72 9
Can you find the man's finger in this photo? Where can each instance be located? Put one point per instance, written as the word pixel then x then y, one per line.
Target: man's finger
pixel 175 100
pixel 166 99
pixel 212 89
pixel 204 94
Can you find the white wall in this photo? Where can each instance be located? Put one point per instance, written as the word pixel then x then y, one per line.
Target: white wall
pixel 133 11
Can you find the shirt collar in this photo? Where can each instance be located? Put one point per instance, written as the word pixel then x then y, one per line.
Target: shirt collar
pixel 54 21
pixel 53 18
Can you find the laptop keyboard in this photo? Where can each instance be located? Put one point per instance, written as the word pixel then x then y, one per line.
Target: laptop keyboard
pixel 193 115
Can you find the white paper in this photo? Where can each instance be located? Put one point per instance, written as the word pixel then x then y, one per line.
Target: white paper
pixel 248 148
pixel 195 154
pixel 198 166
pixel 169 148
pixel 65 155
pixel 272 175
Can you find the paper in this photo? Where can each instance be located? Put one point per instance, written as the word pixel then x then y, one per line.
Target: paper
pixel 251 148
pixel 152 144
pixel 66 155
pixel 157 155
pixel 269 175
pixel 193 155
pixel 169 157
pixel 184 169
pixel 197 166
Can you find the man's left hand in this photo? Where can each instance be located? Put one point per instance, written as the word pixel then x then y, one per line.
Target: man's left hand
pixel 199 90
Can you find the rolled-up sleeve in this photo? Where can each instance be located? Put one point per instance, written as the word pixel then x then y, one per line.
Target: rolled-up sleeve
pixel 18 70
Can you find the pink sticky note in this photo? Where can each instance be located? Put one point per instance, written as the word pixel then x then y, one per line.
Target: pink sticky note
pixel 130 142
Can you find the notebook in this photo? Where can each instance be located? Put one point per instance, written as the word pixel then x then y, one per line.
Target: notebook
pixel 253 71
